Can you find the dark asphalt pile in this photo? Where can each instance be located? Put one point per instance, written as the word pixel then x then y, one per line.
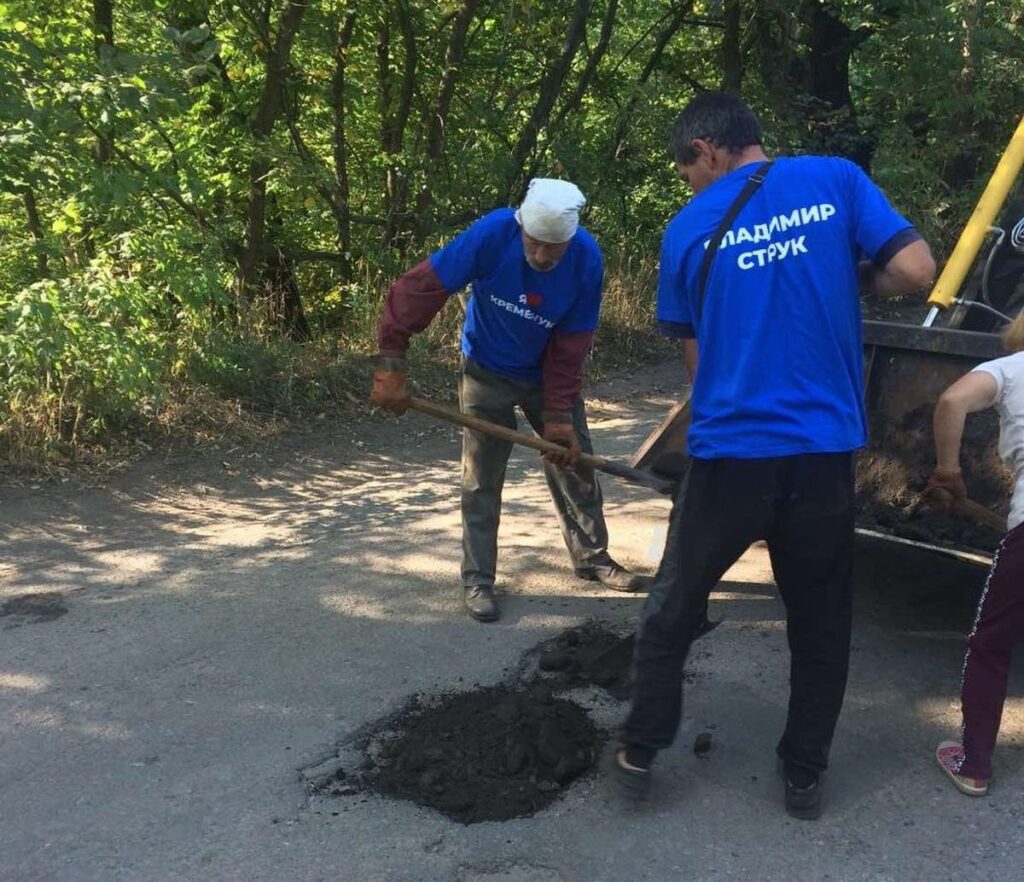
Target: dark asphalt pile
pixel 927 525
pixel 590 655
pixel 894 470
pixel 487 755
pixel 496 752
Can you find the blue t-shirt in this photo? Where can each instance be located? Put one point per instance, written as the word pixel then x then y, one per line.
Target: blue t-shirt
pixel 514 309
pixel 779 332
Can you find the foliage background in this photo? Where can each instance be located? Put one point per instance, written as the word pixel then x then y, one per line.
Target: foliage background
pixel 205 200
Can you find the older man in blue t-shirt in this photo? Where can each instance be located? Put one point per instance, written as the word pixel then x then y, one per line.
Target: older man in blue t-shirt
pixel 772 315
pixel 536 279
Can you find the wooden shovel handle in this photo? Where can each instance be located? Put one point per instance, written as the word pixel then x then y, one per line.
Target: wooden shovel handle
pixel 969 509
pixel 980 514
pixel 451 415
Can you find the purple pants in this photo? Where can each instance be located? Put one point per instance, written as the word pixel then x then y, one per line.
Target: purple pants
pixel 998 627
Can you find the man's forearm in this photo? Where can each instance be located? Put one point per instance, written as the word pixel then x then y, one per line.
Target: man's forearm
pixel 691 357
pixel 562 373
pixel 884 284
pixel 909 269
pixel 413 301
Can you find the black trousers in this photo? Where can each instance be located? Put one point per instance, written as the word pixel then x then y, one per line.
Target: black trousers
pixel 803 507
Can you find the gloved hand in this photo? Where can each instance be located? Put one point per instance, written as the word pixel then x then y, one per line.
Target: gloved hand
pixel 944 487
pixel 564 434
pixel 390 391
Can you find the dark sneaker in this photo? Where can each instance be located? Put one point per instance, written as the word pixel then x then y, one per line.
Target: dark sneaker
pixel 616 577
pixel 631 782
pixel 803 794
pixel 480 603
pixel 950 757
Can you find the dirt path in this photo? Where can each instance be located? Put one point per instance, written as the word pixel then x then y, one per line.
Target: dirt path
pixel 230 619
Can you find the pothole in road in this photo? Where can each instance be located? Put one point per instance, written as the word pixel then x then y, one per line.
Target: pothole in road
pixel 497 752
pixel 43 606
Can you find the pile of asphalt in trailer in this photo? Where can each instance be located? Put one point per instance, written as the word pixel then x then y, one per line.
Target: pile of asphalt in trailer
pixel 496 752
pixel 927 525
pixel 893 471
pixel 909 310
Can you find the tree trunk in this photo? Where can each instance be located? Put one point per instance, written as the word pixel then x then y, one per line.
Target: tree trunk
pixel 438 119
pixel 805 66
pixel 732 56
pixel 572 103
pixel 394 121
pixel 261 126
pixel 550 86
pixel 103 20
pixel 342 208
pixel 36 229
pixel 103 26
pixel 283 289
pixel 774 40
pixel 832 117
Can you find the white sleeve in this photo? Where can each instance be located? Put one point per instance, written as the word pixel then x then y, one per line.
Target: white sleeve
pixel 997 370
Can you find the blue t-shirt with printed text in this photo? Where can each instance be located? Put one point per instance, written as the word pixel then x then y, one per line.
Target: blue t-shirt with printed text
pixel 515 309
pixel 779 330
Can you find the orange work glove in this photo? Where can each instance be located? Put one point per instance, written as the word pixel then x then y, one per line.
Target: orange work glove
pixel 944 487
pixel 390 391
pixel 564 434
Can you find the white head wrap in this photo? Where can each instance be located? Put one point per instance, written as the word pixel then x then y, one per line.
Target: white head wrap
pixel 551 210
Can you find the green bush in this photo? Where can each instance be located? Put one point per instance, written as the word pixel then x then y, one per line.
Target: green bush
pixel 81 354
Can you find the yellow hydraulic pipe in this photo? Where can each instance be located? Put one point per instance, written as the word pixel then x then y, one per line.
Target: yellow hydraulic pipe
pixel 985 212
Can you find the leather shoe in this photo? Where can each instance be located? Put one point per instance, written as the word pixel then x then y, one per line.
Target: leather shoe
pixel 616 577
pixel 480 603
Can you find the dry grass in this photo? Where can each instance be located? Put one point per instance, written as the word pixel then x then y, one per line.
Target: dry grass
pixel 628 335
pixel 201 416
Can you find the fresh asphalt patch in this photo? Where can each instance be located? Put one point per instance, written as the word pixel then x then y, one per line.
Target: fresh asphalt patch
pixel 497 752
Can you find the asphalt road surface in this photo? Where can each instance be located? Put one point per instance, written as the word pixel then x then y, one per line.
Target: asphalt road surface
pixel 232 617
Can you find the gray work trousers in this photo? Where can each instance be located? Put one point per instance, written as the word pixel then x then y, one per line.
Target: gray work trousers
pixel 576 494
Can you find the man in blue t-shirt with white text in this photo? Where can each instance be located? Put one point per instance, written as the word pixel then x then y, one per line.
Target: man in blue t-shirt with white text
pixel 770 320
pixel 536 278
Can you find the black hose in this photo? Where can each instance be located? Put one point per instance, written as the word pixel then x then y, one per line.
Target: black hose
pixel 988 268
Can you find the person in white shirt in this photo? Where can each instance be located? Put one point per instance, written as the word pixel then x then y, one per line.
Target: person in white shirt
pixel 999 624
